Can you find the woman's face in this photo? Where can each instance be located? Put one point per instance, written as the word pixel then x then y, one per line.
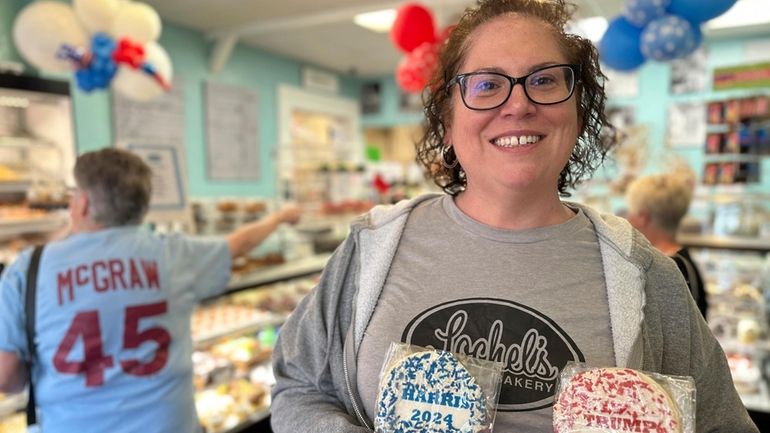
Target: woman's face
pixel 484 140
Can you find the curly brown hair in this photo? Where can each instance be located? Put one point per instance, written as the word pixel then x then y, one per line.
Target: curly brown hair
pixel 596 133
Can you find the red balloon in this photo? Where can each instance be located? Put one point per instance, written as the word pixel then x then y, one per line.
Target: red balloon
pixel 417 68
pixel 129 52
pixel 408 78
pixel 412 27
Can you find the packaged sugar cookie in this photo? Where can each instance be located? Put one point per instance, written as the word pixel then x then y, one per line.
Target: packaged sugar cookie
pixel 434 391
pixel 620 400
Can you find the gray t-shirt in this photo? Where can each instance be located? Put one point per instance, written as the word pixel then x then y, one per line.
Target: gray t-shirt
pixel 532 299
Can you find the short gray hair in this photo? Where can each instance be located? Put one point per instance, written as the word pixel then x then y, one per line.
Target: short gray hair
pixel 666 197
pixel 118 183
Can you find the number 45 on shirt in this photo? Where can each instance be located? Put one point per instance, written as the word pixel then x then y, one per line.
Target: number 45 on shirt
pixel 95 361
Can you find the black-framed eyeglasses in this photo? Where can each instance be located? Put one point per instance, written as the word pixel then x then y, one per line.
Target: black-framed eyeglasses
pixel 545 86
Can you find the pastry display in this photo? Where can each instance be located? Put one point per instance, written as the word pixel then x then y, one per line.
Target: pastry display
pixel 220 319
pixel 746 375
pixel 279 298
pixel 245 265
pixel 243 352
pixel 229 405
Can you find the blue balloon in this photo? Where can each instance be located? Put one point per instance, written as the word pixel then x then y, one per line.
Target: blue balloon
pixel 641 12
pixel 84 80
pixel 102 68
pixel 694 43
pixel 668 38
pixel 698 11
pixel 619 47
pixel 102 45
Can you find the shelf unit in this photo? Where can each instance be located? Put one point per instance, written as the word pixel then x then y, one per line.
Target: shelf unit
pixel 272 274
pixel 738 138
pixel 730 250
pixel 16 227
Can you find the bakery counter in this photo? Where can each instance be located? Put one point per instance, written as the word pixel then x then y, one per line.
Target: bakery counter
pixel 234 336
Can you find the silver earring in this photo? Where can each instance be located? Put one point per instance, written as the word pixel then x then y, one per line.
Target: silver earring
pixel 444 152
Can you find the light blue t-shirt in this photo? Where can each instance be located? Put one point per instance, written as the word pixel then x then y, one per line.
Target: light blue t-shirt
pixel 113 328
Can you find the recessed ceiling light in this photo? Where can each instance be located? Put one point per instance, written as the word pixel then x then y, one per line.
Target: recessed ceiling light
pixel 378 21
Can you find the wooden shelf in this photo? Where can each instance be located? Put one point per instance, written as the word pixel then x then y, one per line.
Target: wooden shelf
pixel 48 223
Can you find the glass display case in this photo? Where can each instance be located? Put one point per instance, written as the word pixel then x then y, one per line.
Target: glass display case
pixel 37 152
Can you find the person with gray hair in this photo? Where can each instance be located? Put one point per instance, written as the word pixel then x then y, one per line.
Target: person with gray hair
pixel 656 206
pixel 112 346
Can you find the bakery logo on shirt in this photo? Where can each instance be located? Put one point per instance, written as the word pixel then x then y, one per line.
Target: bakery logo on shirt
pixel 531 346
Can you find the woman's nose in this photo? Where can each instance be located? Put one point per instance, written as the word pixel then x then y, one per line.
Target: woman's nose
pixel 518 102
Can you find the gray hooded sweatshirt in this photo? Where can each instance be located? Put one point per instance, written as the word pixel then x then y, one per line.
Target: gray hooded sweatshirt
pixel 655 327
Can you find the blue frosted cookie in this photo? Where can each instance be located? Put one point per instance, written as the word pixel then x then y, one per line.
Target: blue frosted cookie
pixel 430 392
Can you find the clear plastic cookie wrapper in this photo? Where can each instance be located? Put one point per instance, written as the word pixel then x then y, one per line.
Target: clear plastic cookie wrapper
pixel 620 400
pixel 423 390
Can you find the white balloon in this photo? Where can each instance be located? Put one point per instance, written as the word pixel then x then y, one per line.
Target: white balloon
pixel 41 28
pixel 137 84
pixel 136 21
pixel 96 15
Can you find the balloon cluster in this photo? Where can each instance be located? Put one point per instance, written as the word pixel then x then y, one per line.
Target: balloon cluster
pixel 659 30
pixel 105 42
pixel 414 33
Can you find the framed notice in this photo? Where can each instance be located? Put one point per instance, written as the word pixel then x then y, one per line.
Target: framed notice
pixel 687 124
pixel 621 84
pixel 167 187
pixel 232 133
pixel 690 74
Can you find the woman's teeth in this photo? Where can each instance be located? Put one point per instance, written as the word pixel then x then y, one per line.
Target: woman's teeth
pixel 516 141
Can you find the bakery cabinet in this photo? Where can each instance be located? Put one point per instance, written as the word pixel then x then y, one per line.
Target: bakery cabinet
pixel 234 335
pixel 37 152
pixel 736 272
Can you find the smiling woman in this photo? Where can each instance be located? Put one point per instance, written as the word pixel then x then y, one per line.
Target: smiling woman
pixel 499 268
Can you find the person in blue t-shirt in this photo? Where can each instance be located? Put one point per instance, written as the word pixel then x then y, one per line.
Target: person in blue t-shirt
pixel 113 343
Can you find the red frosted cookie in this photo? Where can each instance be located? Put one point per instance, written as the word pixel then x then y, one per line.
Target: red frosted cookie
pixel 614 400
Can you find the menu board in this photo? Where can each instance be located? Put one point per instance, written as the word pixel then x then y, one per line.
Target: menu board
pixel 232 134
pixel 160 120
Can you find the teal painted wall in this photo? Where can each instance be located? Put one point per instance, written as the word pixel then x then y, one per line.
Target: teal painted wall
pixel 8 10
pixel 250 68
pixel 389 114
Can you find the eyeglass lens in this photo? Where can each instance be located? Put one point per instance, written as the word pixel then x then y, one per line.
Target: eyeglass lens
pixel 545 86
